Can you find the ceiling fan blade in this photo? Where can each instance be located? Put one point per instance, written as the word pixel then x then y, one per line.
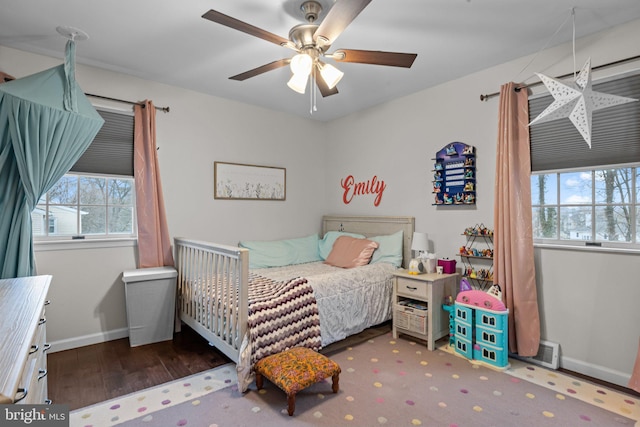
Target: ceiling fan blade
pixel 324 88
pixel 262 69
pixel 236 24
pixel 341 14
pixel 375 57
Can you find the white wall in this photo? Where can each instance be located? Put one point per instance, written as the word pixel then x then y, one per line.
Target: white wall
pixel 588 300
pixel 88 303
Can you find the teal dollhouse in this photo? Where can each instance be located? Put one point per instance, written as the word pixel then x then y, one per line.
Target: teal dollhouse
pixel 480 328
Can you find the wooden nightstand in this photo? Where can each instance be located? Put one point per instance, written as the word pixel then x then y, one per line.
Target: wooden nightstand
pixel 417 305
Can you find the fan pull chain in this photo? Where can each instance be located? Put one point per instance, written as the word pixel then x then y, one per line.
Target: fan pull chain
pixel 315 97
pixel 313 88
pixel 312 92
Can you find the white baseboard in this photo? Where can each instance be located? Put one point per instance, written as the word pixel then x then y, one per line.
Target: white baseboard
pixel 70 343
pixel 596 371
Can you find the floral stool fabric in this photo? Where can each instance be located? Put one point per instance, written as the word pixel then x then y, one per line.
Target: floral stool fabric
pixel 296 369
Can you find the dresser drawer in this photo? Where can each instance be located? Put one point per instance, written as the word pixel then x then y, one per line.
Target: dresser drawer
pixel 23 372
pixel 410 287
pixel 25 393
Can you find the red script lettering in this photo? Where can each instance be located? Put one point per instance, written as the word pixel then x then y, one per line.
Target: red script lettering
pixel 352 188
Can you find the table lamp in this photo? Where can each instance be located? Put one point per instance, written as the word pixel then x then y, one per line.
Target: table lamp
pixel 419 244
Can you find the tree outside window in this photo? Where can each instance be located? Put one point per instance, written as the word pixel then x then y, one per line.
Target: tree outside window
pixel 87 205
pixel 596 205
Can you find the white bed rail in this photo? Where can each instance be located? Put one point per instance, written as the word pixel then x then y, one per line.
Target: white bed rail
pixel 212 292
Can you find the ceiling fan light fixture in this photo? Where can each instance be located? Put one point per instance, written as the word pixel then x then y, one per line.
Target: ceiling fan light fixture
pixel 298 82
pixel 301 64
pixel 330 74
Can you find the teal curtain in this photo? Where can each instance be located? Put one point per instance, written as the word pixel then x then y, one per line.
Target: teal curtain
pixel 46 123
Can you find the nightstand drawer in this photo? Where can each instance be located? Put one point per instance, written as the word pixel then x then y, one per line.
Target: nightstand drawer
pixel 410 287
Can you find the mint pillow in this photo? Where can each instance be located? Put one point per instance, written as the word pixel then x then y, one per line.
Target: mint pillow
pixel 326 244
pixel 277 253
pixel 389 248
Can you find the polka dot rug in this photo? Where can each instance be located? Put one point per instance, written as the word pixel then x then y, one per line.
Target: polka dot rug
pixel 384 382
pixel 568 386
pixel 142 404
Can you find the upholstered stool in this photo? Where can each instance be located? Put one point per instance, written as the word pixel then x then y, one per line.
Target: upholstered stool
pixel 296 369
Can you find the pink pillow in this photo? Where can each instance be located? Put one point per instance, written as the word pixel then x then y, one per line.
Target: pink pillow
pixel 348 252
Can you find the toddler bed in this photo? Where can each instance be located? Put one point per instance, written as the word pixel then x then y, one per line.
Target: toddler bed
pixel 221 291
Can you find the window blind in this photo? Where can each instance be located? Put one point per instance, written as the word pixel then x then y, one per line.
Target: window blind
pixel 111 152
pixel 615 132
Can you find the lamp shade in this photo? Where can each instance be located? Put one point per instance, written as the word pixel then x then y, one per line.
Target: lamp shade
pixel 298 82
pixel 331 75
pixel 420 242
pixel 301 64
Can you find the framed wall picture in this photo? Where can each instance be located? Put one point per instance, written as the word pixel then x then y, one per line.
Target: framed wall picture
pixel 235 181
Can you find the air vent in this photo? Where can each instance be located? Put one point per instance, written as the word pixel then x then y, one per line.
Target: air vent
pixel 548 355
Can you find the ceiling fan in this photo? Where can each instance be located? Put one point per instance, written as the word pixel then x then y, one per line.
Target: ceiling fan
pixel 311 41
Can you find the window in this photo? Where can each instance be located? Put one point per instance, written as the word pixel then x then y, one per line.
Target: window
pixel 87 205
pixel 96 199
pixel 593 207
pixel 53 222
pixel 582 196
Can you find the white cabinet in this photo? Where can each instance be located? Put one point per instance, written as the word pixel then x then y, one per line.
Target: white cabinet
pixel 23 358
pixel 417 305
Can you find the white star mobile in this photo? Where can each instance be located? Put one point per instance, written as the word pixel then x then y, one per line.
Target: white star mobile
pixel 577 101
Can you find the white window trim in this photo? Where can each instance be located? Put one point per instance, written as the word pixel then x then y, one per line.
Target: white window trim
pixel 68 244
pixel 67 240
pixel 580 245
pixel 565 245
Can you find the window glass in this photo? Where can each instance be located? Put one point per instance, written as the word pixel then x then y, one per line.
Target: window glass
pixel 86 205
pixel 637 239
pixel 64 192
pixel 93 220
pixel 544 189
pixel 120 220
pixel 598 206
pixel 545 222
pixel 575 188
pixel 575 223
pixel 613 185
pixel 93 190
pixel 612 223
pixel 637 184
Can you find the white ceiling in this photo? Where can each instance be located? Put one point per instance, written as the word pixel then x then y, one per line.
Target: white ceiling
pixel 169 42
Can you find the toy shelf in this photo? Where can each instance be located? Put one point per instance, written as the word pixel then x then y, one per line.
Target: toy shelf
pixel 454 175
pixel 477 256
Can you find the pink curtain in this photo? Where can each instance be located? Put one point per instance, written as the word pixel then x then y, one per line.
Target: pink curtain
pixel 514 268
pixel 634 382
pixel 154 242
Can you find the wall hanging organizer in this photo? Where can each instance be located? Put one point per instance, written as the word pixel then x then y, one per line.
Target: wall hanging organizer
pixel 454 175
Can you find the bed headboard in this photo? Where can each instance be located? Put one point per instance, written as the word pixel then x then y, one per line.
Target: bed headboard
pixel 374 226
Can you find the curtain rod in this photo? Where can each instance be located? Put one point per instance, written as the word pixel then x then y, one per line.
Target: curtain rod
pixel 610 64
pixel 165 109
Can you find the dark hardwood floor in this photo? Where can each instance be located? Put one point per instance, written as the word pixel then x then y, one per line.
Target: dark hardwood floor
pixel 92 374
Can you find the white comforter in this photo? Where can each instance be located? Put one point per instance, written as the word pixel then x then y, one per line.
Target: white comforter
pixel 349 300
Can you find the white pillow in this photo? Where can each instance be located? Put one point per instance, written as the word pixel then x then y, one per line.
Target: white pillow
pixel 277 253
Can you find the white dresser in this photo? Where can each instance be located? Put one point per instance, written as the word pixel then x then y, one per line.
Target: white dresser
pixel 23 357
